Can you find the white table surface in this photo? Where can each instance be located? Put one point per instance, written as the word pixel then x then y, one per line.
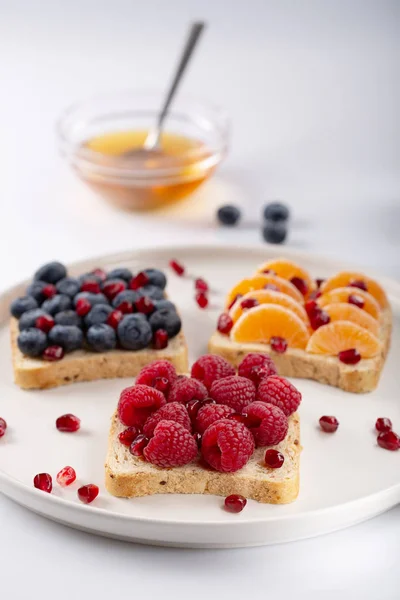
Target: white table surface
pixel 313 91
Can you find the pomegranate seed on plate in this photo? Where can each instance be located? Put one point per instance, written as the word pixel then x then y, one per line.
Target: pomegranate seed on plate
pixel 356 300
pixel 49 290
pixel 127 436
pixel 235 503
pixel 114 318
pixel 68 423
pixel 389 440
pixel 90 286
pixel 274 459
pixel 278 344
pixel 177 267
pixel 44 482
pixel 66 476
pixel 83 306
pixel 202 300
pixel 350 356
pixel 201 285
pixel 3 427
pixel 87 493
pixel 383 424
pixel 328 424
pixel 138 445
pixel 45 323
pixel 225 323
pixel 140 280
pixel 160 339
pixel 52 353
pixel 300 284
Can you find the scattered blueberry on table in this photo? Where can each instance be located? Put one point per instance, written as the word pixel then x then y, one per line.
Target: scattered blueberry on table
pixel 228 215
pixel 276 212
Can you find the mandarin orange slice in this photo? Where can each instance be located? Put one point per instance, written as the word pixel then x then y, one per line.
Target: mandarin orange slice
pixel 343 311
pixel 259 282
pixel 260 324
pixel 342 295
pixel 346 278
pixel 342 335
pixel 286 269
pixel 269 297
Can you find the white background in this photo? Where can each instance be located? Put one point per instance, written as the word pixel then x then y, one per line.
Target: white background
pixel 313 89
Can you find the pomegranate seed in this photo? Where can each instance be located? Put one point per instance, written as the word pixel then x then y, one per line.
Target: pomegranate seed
pixel 127 436
pixel 201 285
pixel 49 290
pixel 235 503
pixel 201 300
pixel 83 306
pixel 360 284
pixel 278 344
pixel 198 438
pixel 272 287
pixel 52 353
pixel 138 445
pixel 177 267
pixel 112 288
pixel 193 407
pixel 319 318
pixel 350 356
pixel 356 300
pixel 3 427
pixel 45 323
pixel 225 323
pixel 99 273
pixel 162 385
pixel 274 459
pixel 139 281
pixel 114 318
pixel 208 401
pixel 248 303
pixel 300 284
pixel 388 440
pixel 90 286
pixel 236 298
pixel 311 307
pixel 315 294
pixel 68 423
pixel 88 493
pixel 328 424
pixel 237 417
pixel 125 307
pixel 44 482
pixel 66 476
pixel 160 339
pixel 319 282
pixel 145 305
pixel 269 272
pixel 383 425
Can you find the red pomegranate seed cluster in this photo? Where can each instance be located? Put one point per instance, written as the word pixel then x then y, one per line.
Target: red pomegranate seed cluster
pixel 387 439
pixel 65 477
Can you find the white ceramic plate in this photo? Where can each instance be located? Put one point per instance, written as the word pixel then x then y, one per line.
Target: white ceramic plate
pixel 345 478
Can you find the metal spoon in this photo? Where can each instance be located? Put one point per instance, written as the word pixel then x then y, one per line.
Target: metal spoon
pixel 151 146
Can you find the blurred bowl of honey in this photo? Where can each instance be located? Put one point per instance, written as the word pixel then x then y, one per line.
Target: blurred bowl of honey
pixel 98 138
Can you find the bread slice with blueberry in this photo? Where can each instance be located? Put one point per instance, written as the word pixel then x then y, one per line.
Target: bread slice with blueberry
pixel 96 326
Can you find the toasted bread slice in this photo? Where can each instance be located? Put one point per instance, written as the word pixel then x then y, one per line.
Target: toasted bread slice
pixel 129 476
pixel 359 378
pixel 83 365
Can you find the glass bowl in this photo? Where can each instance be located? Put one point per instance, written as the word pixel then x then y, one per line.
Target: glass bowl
pixel 96 136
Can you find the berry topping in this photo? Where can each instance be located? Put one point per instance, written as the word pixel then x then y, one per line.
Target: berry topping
pixel 45 323
pixel 356 300
pixel 201 299
pixel 319 282
pixel 88 493
pixel 66 476
pixel 350 356
pixel 177 267
pixel 185 389
pixel 144 305
pixel 138 445
pixel 98 314
pixel 68 423
pixel 235 503
pixel 91 286
pixel 389 440
pixel 52 353
pixel 129 296
pixel 101 274
pixel 68 317
pixel 201 285
pixel 276 211
pixel 209 413
pixel 139 281
pixel 56 304
pixel 360 284
pixel 35 290
pixel 3 427
pixel 92 298
pixel 120 273
pixel 228 215
pixel 127 436
pixel 234 391
pixel 227 445
pixel 152 291
pixel 311 307
pixel 113 287
pixel 274 459
pixel 257 366
pixel 114 318
pixel 167 319
pixel 209 368
pixel 21 305
pixel 82 307
pixel 152 373
pixel 159 304
pixel 300 284
pixel 44 482
pixel 225 324
pixel 173 411
pixel 156 277
pixel 234 300
pixel 274 233
pixel 383 424
pixel 101 337
pixel 28 318
pixel 269 424
pixel 125 307
pixel 137 403
pixel 49 290
pixel 278 344
pixel 134 332
pixel 32 342
pixel 315 294
pixel 248 303
pixel 51 272
pixel 328 424
pixel 318 318
pixel 68 337
pixel 171 446
pixel 160 339
pixel 280 392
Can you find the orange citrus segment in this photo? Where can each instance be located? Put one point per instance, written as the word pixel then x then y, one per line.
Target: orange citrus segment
pixel 286 269
pixel 342 295
pixel 343 311
pixel 345 278
pixel 269 297
pixel 260 324
pixel 341 335
pixel 258 282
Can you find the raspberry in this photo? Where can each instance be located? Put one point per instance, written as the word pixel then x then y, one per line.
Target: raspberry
pixel 137 403
pixel 279 391
pixel 257 366
pixel 171 446
pixel 151 374
pixel 174 411
pixel 267 423
pixel 209 368
pixel 186 389
pixel 236 392
pixel 210 413
pixel 227 445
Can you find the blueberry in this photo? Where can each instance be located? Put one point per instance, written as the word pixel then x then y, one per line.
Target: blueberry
pixel 56 304
pixel 134 332
pixel 94 299
pixel 120 273
pixel 274 233
pixel 276 211
pixel 21 305
pixel 32 341
pixel 68 286
pixel 51 272
pixel 166 319
pixel 28 319
pixel 151 291
pixel 101 337
pixel 165 304
pixel 98 314
pixel 228 215
pixel 35 290
pixel 126 296
pixel 68 317
pixel 68 337
pixel 156 278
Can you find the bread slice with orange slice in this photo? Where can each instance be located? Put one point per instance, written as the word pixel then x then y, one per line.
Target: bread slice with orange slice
pixel 337 332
